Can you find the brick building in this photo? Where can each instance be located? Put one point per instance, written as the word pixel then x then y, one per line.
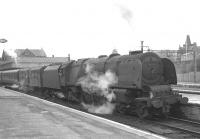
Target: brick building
pixel 26 58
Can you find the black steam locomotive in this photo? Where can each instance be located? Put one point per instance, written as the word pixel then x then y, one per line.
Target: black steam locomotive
pixel 141 84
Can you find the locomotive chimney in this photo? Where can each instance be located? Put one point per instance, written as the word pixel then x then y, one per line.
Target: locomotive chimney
pixel 68 57
pixel 142 46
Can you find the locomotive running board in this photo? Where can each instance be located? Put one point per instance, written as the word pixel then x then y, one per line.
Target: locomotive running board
pixel 124 87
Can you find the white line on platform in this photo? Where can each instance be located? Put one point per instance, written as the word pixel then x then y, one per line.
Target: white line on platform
pixel 99 119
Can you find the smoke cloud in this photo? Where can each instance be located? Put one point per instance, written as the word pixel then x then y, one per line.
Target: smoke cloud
pixel 12 54
pixel 126 13
pixel 99 83
pixel 23 87
pixel 14 86
pixel 106 108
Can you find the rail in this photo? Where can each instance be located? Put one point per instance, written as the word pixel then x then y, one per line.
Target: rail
pixel 186 126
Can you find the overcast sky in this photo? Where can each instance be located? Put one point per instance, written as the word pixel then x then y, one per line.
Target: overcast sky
pixel 88 28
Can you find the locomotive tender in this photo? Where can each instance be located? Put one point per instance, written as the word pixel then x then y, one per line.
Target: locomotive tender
pixel 143 86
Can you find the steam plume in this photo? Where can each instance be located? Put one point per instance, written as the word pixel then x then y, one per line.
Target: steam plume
pixel 11 53
pixel 106 108
pixel 14 86
pixel 97 83
pixel 24 87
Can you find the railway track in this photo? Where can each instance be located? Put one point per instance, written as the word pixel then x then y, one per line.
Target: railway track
pixel 191 110
pixel 184 126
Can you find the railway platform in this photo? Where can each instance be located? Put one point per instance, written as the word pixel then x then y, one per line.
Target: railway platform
pixel 189 85
pixel 189 90
pixel 23 116
pixel 193 98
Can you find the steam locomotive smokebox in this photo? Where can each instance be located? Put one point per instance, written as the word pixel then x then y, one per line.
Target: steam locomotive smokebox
pixel 152 68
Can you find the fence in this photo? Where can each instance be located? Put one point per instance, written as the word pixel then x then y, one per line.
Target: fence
pixel 188 77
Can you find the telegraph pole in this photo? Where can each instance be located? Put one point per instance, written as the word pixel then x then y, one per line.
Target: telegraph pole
pixel 195 62
pixel 142 46
pixel 195 66
pixel 68 57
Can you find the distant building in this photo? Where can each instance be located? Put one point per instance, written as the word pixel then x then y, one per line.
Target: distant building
pixel 187 56
pixel 184 53
pixel 30 53
pixel 171 54
pixel 26 58
pixel 188 46
pixel 187 50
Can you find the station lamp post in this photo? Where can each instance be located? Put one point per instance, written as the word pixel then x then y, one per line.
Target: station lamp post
pixel 3 40
pixel 142 47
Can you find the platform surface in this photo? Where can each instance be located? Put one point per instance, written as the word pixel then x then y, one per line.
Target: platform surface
pixel 189 90
pixel 23 117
